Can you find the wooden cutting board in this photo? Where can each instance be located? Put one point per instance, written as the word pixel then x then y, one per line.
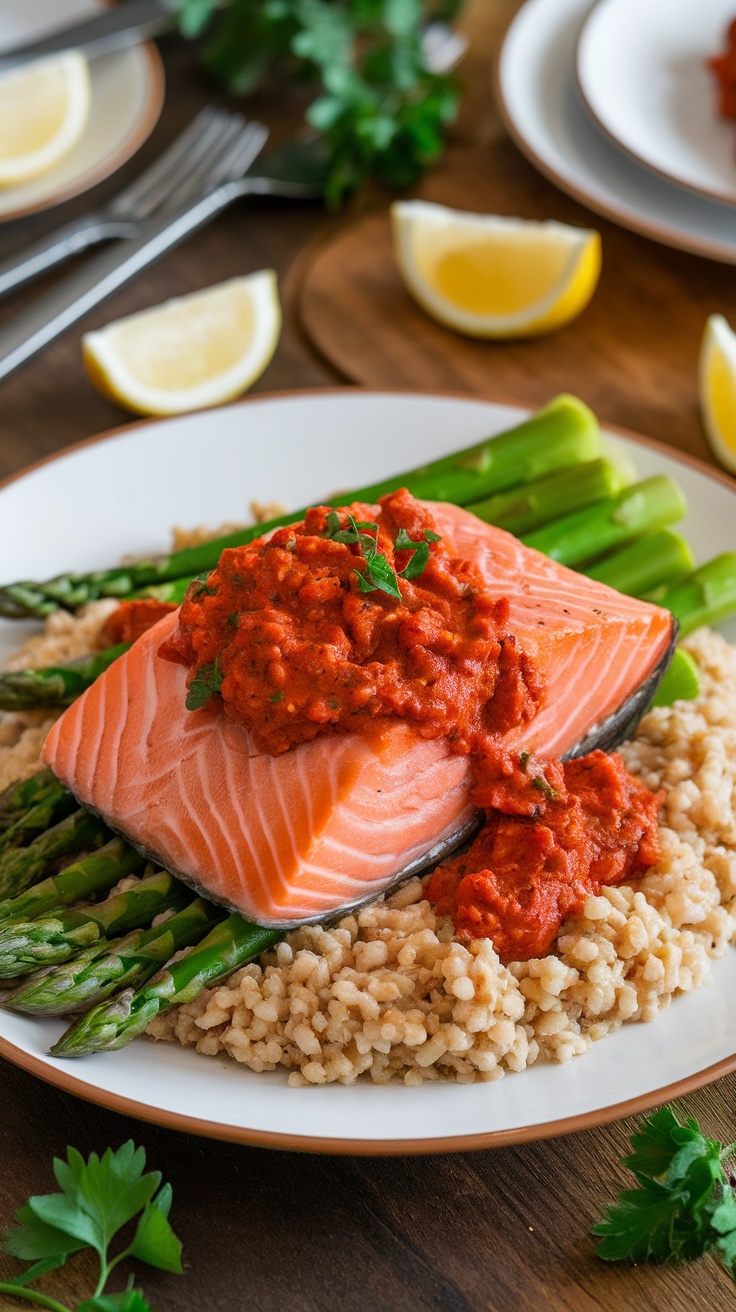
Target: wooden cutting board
pixel 632 355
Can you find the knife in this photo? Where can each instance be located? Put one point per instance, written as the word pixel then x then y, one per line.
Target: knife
pixel 123 24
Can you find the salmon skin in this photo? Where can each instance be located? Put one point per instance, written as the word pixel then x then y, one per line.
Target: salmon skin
pixel 294 838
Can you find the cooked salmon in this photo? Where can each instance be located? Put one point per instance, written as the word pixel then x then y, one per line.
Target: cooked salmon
pixel 294 837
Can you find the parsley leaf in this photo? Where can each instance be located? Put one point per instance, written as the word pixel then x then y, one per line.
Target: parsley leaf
pixel 420 550
pixel 131 1300
pixel 208 679
pixel 203 586
pixel 683 1205
pixel 97 1198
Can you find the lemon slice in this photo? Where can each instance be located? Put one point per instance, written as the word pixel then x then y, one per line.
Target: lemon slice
pixel 44 108
pixel 189 353
pixel 494 277
pixel 718 389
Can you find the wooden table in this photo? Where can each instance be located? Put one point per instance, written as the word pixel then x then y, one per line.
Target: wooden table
pixel 263 1231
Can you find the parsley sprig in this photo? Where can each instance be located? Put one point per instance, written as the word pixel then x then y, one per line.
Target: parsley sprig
pixel 380 110
pixel 379 574
pixel 98 1197
pixel 207 680
pixel 684 1204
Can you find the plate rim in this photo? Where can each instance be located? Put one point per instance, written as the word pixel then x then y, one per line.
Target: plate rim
pixel 672 178
pixel 254 1137
pixel 621 215
pixel 139 133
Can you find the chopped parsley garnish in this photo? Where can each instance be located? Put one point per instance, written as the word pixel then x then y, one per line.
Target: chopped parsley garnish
pixel 276 697
pixel 524 759
pixel 541 785
pixel 379 574
pixel 683 1205
pixel 208 679
pixel 201 579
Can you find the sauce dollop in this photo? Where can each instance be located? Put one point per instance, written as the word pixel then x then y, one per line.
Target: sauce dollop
pixel 296 647
pixel 594 824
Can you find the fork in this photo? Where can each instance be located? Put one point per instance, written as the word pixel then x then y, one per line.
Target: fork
pixel 182 172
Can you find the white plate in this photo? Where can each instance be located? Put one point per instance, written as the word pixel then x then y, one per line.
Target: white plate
pixel 127 95
pixel 543 113
pixel 87 508
pixel 643 75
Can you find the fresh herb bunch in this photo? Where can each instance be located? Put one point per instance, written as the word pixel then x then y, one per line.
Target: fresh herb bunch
pixel 98 1197
pixel 684 1205
pixel 382 112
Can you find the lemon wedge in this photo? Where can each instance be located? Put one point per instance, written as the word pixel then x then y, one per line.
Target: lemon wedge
pixel 190 353
pixel 494 277
pixel 718 389
pixel 44 108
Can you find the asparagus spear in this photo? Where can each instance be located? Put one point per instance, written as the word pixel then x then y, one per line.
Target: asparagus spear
pixel 55 685
pixel 680 682
pixel 586 534
pixel 113 1024
pixel 21 796
pixel 706 597
pixel 91 874
pixel 529 507
pixel 55 805
pixel 561 433
pixel 21 866
pixel 98 971
pixel 649 562
pixel 26 945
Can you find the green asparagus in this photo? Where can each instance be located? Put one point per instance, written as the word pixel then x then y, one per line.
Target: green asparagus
pixel 54 685
pixel 586 534
pixel 649 562
pixel 26 945
pixel 102 969
pixel 22 866
pixel 113 1024
pixel 681 681
pixel 19 797
pixel 562 433
pixel 57 803
pixel 89 875
pixel 529 507
pixel 706 597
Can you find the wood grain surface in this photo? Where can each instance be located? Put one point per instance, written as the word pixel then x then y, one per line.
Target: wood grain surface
pixel 503 1231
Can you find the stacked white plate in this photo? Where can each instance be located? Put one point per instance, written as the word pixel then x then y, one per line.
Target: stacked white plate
pixel 615 103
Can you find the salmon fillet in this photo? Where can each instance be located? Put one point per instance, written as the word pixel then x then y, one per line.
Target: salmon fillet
pixel 294 837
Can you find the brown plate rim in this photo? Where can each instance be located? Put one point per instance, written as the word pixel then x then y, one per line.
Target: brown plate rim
pixel 361 1147
pixel 703 247
pixel 115 160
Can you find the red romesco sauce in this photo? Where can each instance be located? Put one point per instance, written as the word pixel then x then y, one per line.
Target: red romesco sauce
pixel 594 824
pixel 301 650
pixel 131 619
pixel 282 630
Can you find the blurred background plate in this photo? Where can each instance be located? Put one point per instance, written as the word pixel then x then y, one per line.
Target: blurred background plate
pixel 643 74
pixel 543 112
pixel 127 95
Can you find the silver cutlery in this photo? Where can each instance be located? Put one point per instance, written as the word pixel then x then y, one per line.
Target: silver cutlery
pixel 182 173
pixel 117 25
pixel 295 171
